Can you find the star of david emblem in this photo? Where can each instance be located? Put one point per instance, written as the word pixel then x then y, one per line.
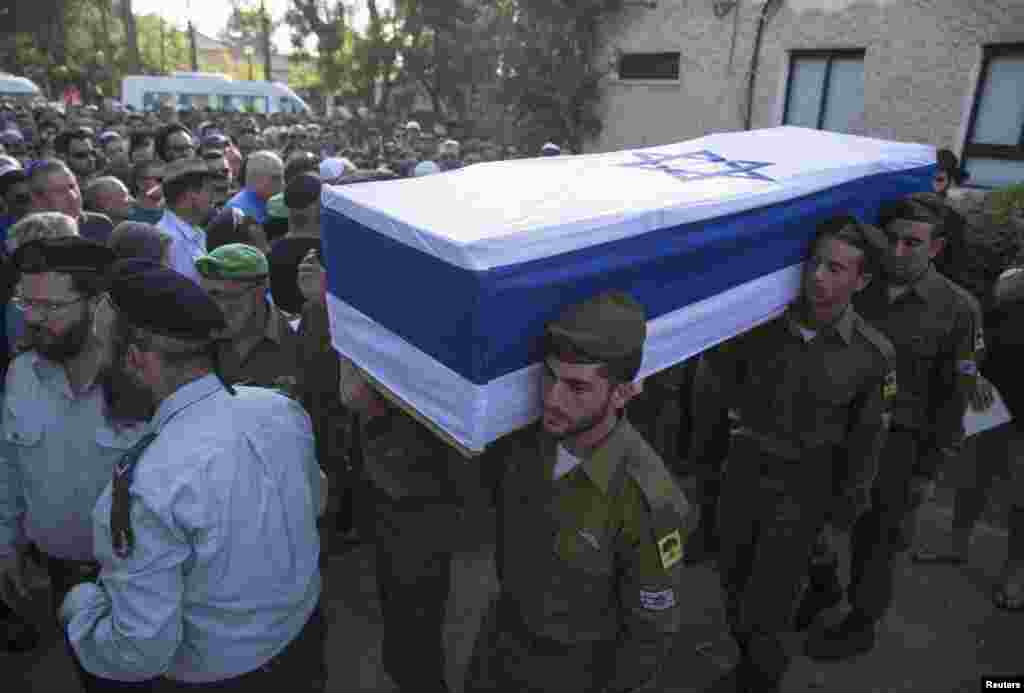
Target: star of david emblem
pixel 700 165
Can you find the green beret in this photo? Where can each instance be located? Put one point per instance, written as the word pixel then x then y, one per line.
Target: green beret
pixel 607 327
pixel 163 301
pixel 234 261
pixel 69 254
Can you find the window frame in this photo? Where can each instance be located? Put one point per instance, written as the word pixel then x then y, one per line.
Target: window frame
pixel 656 80
pixel 1001 152
pixel 830 54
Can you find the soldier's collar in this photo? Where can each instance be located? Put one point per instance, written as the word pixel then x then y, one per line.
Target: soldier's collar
pixel 843 326
pixel 929 285
pixel 600 464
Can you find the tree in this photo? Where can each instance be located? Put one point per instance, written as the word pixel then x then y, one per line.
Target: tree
pixel 550 77
pixel 133 62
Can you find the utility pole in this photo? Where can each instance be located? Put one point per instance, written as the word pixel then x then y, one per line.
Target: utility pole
pixel 265 21
pixel 192 39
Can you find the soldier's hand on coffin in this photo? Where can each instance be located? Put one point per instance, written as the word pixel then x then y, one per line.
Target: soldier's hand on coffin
pixel 312 278
pixel 356 392
pixel 983 394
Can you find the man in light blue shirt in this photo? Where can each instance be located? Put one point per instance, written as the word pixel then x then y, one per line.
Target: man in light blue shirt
pixel 264 178
pixel 207 534
pixel 58 445
pixel 188 190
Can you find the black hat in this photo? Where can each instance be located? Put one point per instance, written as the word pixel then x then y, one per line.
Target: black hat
pixel 163 301
pixel 609 326
pixel 69 254
pixel 948 162
pixel 9 175
pixel 303 191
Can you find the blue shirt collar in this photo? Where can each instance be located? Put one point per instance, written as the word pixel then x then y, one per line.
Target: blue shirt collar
pixel 187 394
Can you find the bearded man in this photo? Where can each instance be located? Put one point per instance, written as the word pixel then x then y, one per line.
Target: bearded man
pixel 59 443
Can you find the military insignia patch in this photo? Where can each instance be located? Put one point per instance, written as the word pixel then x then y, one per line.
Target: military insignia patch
pixel 670 547
pixel 890 388
pixel 657 601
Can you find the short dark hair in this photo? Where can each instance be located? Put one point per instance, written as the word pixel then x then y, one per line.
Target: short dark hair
pixel 847 229
pixel 175 188
pixel 140 138
pixel 63 142
pixel 926 208
pixel 164 135
pixel 617 371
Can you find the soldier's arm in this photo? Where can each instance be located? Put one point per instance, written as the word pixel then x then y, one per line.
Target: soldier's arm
pixel 649 563
pixel 955 380
pixel 715 384
pixel 868 416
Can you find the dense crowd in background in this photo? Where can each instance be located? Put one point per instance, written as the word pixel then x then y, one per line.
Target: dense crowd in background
pixel 223 212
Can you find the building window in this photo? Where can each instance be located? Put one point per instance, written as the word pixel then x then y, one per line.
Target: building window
pixel 994 152
pixel 653 66
pixel 826 91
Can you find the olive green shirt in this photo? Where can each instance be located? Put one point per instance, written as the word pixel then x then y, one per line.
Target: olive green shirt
pixel 272 361
pixel 801 398
pixel 935 330
pixel 596 555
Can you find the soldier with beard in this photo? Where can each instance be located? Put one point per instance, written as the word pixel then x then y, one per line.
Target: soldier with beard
pixel 591 526
pixel 59 444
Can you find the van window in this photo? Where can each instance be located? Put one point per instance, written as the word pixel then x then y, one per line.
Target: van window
pixel 155 100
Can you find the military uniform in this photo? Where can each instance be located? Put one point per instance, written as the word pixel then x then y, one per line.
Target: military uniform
pixel 416 496
pixel 810 404
pixel 933 327
pixel 589 552
pixel 589 566
pixel 657 414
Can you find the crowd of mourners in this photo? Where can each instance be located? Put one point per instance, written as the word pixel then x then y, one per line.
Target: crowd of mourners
pixel 181 446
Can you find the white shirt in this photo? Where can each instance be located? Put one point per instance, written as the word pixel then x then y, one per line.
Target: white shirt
pixel 187 244
pixel 224 572
pixel 57 453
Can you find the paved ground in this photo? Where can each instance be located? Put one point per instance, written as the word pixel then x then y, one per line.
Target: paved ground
pixel 942 635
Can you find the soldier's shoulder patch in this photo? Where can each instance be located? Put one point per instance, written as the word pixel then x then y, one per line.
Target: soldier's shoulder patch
pixel 670 548
pixel 657 601
pixel 890 389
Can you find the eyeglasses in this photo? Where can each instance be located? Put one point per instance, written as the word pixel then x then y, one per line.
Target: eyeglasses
pixel 46 309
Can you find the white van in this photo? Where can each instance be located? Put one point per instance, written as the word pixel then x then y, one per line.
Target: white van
pixel 194 90
pixel 11 85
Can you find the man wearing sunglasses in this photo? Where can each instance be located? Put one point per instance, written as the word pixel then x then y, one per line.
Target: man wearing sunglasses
pixel 76 148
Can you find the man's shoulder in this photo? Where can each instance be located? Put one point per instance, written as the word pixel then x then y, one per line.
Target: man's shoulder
pixel 646 468
pixel 875 340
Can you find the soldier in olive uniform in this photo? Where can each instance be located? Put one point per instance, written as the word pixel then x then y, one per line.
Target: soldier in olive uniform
pixel 809 388
pixel 420 497
pixel 591 526
pixel 932 323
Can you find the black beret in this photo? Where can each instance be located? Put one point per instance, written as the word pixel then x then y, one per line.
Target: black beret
pixel 163 301
pixel 303 191
pixel 70 254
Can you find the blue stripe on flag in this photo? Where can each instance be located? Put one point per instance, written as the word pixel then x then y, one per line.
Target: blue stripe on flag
pixel 486 324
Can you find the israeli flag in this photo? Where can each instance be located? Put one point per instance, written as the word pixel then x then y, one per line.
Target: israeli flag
pixel 439 287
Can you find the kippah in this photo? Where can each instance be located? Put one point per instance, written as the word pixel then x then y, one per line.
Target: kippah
pixel 303 191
